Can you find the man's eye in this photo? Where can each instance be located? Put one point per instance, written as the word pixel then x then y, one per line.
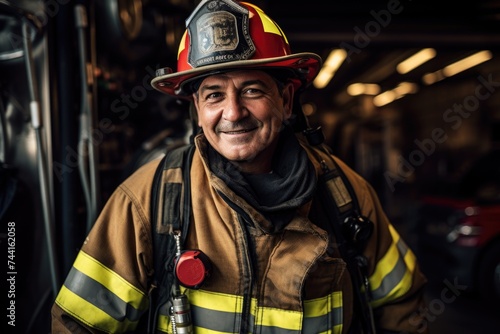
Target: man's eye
pixel 252 91
pixel 212 96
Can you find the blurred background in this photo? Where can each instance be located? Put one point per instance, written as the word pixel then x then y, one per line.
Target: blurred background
pixel 409 99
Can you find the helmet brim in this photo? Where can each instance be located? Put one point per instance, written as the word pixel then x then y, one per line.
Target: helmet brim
pixel 305 66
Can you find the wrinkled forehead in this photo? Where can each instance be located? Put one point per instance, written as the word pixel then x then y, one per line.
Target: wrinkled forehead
pixel 240 76
pixel 267 77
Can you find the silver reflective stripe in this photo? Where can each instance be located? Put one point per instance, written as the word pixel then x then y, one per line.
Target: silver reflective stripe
pixel 216 320
pixel 229 322
pixel 277 330
pixel 219 321
pixel 221 313
pixel 392 279
pixel 99 296
pixel 323 323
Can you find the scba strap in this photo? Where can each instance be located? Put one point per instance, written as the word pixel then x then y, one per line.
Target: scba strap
pixel 170 213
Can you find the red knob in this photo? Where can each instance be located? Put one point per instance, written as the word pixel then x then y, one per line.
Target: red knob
pixel 192 268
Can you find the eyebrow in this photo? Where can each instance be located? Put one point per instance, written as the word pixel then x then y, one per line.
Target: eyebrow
pixel 208 87
pixel 204 88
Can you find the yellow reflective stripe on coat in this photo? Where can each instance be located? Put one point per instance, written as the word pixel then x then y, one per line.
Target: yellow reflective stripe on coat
pixel 100 298
pixel 319 312
pixel 221 313
pixel 393 275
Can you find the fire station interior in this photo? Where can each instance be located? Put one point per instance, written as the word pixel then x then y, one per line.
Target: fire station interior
pixel 410 102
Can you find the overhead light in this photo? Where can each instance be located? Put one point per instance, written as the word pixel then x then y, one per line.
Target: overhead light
pixel 457 67
pixel 363 89
pixel 384 98
pixel 308 109
pixel 433 77
pixel 332 63
pixel 466 63
pixel 416 60
pixel 404 88
pixel 322 79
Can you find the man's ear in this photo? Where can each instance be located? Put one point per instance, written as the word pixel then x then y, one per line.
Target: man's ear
pixel 288 93
pixel 193 110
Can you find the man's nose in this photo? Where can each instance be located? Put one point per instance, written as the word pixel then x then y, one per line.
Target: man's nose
pixel 234 110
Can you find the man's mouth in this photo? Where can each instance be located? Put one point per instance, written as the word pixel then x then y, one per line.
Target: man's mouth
pixel 235 132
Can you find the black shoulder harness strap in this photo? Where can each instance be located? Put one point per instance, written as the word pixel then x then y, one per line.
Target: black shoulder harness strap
pixel 351 231
pixel 171 208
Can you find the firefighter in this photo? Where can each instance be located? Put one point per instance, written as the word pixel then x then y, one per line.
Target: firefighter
pixel 260 254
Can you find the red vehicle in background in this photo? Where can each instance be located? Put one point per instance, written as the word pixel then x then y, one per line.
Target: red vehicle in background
pixel 459 233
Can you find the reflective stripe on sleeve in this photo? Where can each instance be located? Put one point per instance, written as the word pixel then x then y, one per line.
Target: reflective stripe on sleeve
pixel 393 275
pixel 101 298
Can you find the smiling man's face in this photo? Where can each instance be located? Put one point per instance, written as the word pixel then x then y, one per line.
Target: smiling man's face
pixel 241 114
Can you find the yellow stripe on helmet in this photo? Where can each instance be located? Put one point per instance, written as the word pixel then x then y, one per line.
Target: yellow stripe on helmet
pixel 269 25
pixel 182 44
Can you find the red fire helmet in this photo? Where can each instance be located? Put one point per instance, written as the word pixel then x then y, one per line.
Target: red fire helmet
pixel 224 35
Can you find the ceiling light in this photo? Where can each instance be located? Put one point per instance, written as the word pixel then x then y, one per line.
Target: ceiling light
pixel 308 109
pixel 398 92
pixel 430 78
pixel 416 60
pixel 466 63
pixel 359 88
pixel 332 63
pixel 322 79
pixel 457 67
pixel 384 98
pixel 405 88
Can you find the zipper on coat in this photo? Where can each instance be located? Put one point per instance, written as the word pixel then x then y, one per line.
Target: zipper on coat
pixel 245 326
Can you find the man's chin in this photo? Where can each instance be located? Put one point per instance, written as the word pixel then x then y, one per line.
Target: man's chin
pixel 241 159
